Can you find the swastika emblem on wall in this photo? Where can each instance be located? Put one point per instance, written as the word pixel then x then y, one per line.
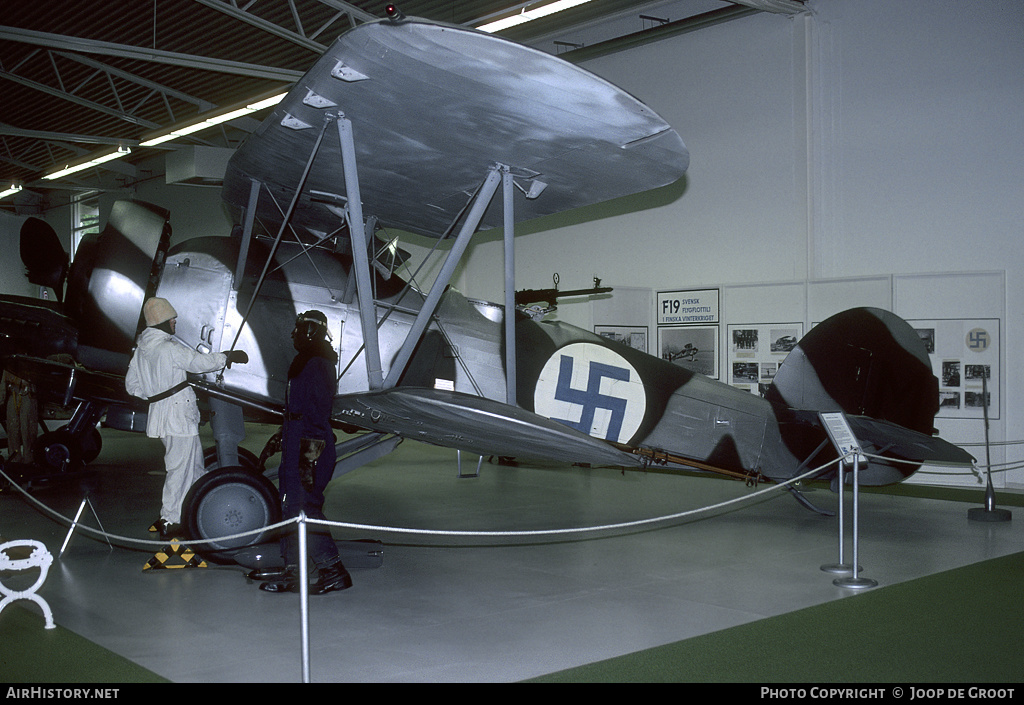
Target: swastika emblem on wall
pixel 591 389
pixel 978 340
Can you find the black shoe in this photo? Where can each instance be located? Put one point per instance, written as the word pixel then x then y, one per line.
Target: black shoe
pixel 280 586
pixel 331 578
pixel 262 574
pixel 286 581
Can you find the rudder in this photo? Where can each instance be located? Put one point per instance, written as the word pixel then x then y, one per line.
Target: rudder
pixel 865 362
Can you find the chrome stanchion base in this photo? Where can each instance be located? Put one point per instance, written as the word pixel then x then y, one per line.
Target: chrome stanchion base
pixel 839 568
pixel 985 514
pixel 855 583
pixel 989 512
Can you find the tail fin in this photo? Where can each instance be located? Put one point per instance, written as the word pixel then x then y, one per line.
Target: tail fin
pixel 865 362
pixel 870 364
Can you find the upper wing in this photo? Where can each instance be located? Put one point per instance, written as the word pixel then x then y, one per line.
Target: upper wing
pixel 433 107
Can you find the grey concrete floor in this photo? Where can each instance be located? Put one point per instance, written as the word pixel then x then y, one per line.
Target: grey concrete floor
pixel 444 608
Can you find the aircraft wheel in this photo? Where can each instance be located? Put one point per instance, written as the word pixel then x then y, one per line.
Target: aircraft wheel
pixel 57 451
pixel 225 502
pixel 247 460
pixel 61 450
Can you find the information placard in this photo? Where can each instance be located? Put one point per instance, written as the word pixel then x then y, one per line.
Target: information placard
pixel 842 437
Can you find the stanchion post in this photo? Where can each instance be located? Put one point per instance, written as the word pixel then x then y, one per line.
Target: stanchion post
pixel 989 511
pixel 304 596
pixel 841 566
pixel 74 524
pixel 855 581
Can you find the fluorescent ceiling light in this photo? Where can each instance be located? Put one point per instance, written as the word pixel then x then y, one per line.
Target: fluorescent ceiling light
pixel 66 171
pixel 214 120
pixel 526 15
pixel 10 191
pixel 123 151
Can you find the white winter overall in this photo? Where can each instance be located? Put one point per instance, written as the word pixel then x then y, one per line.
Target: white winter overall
pixel 160 362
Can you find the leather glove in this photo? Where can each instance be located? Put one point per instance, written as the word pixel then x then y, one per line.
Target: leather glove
pixel 238 356
pixel 309 451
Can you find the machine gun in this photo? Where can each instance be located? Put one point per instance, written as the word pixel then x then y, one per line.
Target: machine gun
pixel 527 297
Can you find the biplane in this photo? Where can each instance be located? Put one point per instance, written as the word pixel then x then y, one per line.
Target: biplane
pixel 442 131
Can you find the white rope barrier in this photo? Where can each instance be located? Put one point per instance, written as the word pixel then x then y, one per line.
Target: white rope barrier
pixel 619 526
pixel 436 532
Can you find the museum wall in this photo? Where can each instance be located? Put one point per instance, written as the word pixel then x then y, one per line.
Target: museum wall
pixel 867 154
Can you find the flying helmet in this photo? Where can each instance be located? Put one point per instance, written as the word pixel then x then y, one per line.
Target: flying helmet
pixel 310 326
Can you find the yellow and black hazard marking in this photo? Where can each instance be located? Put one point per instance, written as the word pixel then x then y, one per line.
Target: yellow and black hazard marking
pixel 174 555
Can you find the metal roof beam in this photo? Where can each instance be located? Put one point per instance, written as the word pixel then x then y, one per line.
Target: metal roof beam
pixel 249 18
pixel 298 35
pixel 779 7
pixel 59 93
pixel 203 105
pixel 12 131
pixel 88 46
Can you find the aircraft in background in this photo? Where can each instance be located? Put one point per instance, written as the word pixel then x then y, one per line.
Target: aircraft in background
pixel 689 351
pixel 438 130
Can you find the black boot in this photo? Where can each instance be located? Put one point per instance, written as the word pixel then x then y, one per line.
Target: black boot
pixel 331 577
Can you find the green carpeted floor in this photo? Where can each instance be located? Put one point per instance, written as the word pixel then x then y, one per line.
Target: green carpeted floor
pixel 960 626
pixel 30 653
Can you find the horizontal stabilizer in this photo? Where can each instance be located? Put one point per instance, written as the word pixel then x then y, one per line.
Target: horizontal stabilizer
pixel 891 440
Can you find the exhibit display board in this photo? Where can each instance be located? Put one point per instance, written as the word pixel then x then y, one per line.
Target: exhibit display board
pixel 740 334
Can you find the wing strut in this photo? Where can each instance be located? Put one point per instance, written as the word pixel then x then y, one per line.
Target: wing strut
pixel 250 220
pixel 510 288
pixel 476 214
pixel 280 232
pixel 357 232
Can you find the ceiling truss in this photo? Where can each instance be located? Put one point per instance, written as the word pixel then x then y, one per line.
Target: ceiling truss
pixel 68 96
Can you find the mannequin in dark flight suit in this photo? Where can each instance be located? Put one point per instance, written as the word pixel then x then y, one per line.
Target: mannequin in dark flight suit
pixel 308 456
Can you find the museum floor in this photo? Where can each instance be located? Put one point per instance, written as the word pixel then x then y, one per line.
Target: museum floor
pixel 445 608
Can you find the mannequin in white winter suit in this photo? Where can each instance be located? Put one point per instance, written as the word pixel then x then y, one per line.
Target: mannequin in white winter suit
pixel 160 362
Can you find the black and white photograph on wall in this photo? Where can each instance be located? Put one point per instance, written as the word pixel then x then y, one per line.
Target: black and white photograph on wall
pixel 633 336
pixel 965 356
pixel 950 373
pixel 744 373
pixel 948 399
pixel 756 350
pixel 927 336
pixel 744 340
pixel 692 347
pixel 783 339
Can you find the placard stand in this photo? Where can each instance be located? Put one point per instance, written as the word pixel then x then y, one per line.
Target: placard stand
pixel 848 447
pixel 989 512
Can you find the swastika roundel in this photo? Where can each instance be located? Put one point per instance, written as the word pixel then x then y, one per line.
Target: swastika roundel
pixel 592 389
pixel 978 340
